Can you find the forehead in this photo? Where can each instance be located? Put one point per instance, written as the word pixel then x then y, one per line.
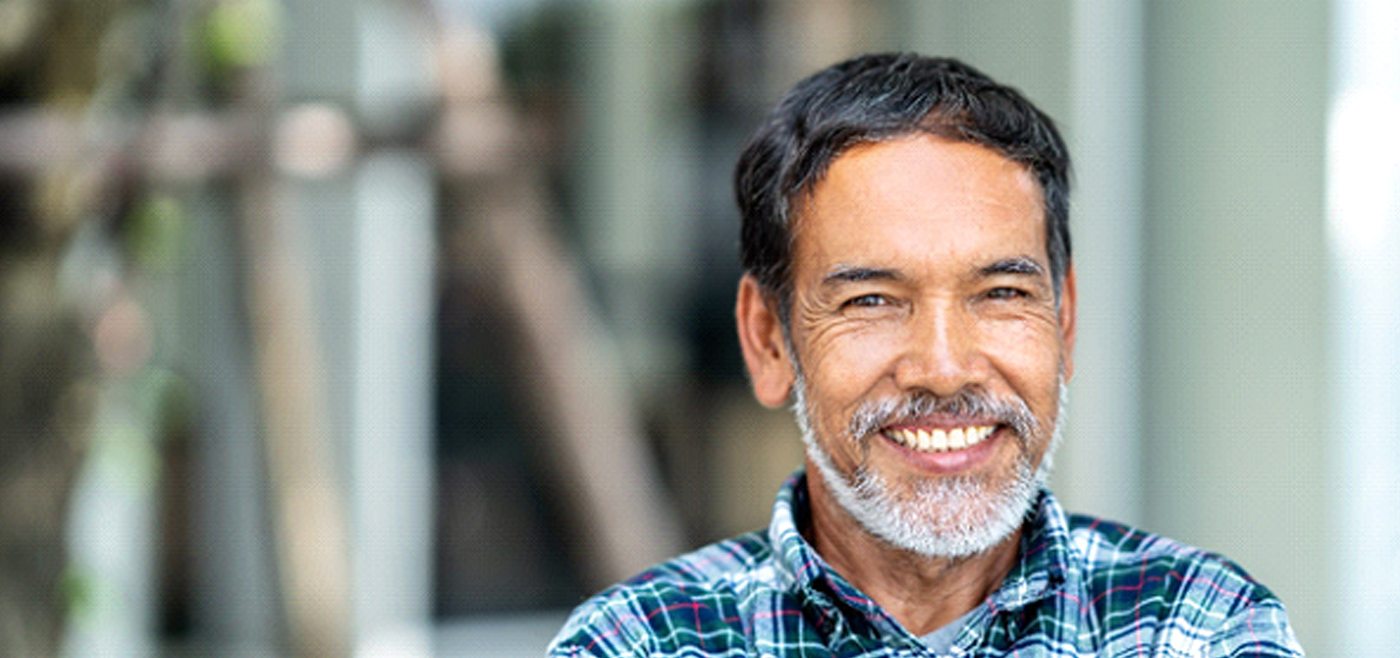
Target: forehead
pixel 920 197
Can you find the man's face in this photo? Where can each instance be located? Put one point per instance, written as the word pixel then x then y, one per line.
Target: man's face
pixel 928 346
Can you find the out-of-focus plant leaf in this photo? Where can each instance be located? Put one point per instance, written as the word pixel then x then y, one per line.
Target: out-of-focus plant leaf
pixel 165 397
pixel 156 234
pixel 77 587
pixel 241 34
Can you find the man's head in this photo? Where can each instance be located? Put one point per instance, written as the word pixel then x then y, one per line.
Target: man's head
pixel 906 250
pixel 875 98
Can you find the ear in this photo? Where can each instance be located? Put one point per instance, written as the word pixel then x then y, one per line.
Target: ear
pixel 1069 296
pixel 761 338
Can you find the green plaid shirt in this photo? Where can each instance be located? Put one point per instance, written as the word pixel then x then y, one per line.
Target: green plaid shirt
pixel 1080 587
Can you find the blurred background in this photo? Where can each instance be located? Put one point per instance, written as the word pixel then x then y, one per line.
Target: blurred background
pixel 398 327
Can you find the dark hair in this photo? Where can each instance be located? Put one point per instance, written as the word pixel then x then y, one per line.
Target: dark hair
pixel 873 98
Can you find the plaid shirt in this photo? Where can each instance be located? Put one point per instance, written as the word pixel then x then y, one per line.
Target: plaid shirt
pixel 1080 587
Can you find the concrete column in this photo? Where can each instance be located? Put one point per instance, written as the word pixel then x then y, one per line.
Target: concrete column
pixel 1099 469
pixel 1363 225
pixel 1236 414
pixel 391 438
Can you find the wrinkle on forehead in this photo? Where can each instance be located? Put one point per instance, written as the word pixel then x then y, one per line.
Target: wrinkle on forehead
pixel 851 170
pixel 974 184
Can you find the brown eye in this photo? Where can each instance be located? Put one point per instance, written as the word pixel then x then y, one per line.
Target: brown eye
pixel 1007 293
pixel 865 301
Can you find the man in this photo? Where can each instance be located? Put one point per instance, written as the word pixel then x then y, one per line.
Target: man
pixel 909 285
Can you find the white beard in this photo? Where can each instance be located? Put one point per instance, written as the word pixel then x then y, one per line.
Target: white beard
pixel 950 517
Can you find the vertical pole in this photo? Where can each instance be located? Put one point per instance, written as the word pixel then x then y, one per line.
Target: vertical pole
pixel 1099 469
pixel 391 435
pixel 1236 426
pixel 389 344
pixel 308 512
pixel 1363 224
pixel 234 559
pixel 372 261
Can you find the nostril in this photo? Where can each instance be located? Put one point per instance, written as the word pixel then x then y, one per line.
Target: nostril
pixel 942 374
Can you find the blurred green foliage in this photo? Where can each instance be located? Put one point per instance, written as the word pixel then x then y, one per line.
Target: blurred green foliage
pixel 241 34
pixel 155 236
pixel 78 590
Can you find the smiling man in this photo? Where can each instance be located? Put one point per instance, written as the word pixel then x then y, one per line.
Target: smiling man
pixel 909 289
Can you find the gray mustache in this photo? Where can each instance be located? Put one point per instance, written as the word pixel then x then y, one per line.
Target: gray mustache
pixel 874 414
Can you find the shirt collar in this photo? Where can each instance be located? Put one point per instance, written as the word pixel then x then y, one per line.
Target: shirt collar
pixel 1043 565
pixel 1045 560
pixel 801 568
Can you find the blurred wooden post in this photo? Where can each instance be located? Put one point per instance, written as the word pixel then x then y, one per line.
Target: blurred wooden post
pixel 308 512
pixel 622 518
pixel 308 506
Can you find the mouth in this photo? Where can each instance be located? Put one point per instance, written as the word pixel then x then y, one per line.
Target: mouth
pixel 939 439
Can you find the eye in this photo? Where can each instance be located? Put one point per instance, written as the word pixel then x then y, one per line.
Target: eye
pixel 1007 293
pixel 866 301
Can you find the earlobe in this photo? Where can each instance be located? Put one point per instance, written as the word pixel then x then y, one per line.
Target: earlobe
pixel 1068 316
pixel 761 339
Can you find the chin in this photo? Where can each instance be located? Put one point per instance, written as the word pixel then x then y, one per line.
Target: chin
pixel 955 516
pixel 952 516
pixel 947 517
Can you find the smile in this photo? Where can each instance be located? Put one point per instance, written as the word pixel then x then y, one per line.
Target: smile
pixel 939 440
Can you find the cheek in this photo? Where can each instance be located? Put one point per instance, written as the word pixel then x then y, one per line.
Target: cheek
pixel 1028 355
pixel 851 357
pixel 843 367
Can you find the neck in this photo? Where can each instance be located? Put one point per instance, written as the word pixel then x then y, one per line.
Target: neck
pixel 922 593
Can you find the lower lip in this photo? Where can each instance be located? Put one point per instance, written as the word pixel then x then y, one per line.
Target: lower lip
pixel 952 461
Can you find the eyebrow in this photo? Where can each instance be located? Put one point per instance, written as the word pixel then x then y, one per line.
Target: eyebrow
pixel 1018 265
pixel 1022 265
pixel 856 274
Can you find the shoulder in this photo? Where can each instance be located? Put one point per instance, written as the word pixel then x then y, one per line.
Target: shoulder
pixel 1188 596
pixel 688 599
pixel 1118 557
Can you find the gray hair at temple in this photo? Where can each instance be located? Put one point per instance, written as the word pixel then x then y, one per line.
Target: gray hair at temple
pixel 873 98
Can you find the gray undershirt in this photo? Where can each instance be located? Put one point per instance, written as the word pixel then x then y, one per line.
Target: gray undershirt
pixel 941 640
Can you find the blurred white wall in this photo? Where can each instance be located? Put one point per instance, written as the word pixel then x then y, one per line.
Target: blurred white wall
pixel 1235 405
pixel 1363 206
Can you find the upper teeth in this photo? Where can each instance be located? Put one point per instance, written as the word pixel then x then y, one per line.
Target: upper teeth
pixel 940 440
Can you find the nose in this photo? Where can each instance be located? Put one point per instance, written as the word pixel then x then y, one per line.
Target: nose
pixel 941 355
